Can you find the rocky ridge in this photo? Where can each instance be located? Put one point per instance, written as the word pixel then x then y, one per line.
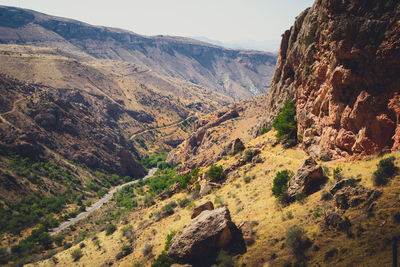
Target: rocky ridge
pixel 339 64
pixel 235 73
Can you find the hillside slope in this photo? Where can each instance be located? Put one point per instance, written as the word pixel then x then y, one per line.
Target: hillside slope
pixel 339 62
pixel 238 74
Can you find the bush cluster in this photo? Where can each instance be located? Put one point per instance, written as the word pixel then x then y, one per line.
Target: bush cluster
pixel 386 169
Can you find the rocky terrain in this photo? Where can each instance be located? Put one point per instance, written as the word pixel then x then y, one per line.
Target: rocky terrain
pixel 306 175
pixel 237 74
pixel 66 126
pixel 213 135
pixel 339 64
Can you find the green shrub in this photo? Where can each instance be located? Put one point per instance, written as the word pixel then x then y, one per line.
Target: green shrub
pixel 386 169
pixel 183 202
pixel 285 123
pixel 168 241
pixel 76 254
pixel 310 37
pixel 125 251
pixel 246 179
pixel 168 209
pixel 337 173
pixel 110 229
pixel 280 182
pixel 163 261
pixel 238 146
pixel 248 155
pixel 296 240
pixel 265 130
pixel 216 173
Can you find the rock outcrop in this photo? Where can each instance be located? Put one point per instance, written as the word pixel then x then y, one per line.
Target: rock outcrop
pixel 205 206
pixel 307 179
pixel 200 241
pixel 350 197
pixel 340 63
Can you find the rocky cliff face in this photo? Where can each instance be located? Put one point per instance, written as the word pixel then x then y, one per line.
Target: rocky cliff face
pixel 238 74
pixel 340 63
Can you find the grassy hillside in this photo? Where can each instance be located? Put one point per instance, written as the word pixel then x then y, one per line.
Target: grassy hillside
pixel 248 195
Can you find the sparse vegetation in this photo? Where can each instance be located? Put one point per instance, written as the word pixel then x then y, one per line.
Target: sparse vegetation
pixel 285 124
pixel 337 174
pixel 386 169
pixel 296 240
pixel 76 254
pixel 163 260
pixel 110 229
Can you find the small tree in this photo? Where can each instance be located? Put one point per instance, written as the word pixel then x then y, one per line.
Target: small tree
pixel 238 146
pixel 285 123
pixel 216 173
pixel 280 182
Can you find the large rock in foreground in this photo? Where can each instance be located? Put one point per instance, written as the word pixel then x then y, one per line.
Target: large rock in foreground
pixel 307 179
pixel 200 241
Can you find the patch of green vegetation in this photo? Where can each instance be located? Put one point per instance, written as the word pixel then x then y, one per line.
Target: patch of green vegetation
pixel 163 260
pixel 141 142
pixel 14 217
pixel 155 161
pixel 285 124
pixel 386 169
pixel 265 130
pixel 110 229
pixel 248 155
pixel 76 254
pixel 216 173
pixel 238 146
pixel 310 37
pixel 280 182
pixel 337 174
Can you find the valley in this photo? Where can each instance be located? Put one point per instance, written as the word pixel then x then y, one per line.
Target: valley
pixel 120 149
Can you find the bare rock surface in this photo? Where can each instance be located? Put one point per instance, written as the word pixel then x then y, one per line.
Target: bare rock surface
pixel 201 239
pixel 205 206
pixel 307 179
pixel 340 64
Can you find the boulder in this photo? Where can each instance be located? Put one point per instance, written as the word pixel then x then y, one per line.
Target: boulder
pixel 307 179
pixel 205 206
pixel 203 237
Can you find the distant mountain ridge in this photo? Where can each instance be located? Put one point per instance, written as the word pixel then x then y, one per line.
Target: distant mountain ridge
pixel 235 73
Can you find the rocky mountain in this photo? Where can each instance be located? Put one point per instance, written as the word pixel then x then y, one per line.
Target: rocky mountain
pixel 237 74
pixel 339 62
pixel 70 127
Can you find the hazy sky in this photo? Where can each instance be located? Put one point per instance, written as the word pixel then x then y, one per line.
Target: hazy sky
pixel 223 20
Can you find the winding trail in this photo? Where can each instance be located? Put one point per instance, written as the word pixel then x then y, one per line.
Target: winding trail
pixel 98 204
pixel 160 127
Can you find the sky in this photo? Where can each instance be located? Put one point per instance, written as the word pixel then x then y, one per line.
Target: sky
pixel 227 21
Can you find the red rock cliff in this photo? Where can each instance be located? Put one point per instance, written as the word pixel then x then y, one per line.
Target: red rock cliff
pixel 340 62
